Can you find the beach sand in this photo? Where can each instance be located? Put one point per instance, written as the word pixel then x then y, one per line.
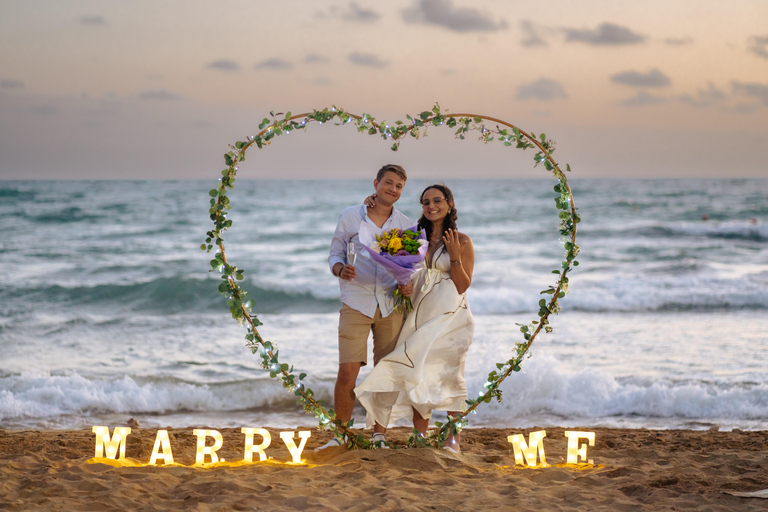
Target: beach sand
pixel 633 470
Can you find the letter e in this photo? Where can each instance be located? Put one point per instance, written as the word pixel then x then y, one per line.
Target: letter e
pixel 574 450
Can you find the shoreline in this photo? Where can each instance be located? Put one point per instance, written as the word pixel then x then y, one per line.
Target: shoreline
pixel 633 469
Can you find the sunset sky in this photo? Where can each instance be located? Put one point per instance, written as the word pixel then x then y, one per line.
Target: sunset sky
pixel 108 89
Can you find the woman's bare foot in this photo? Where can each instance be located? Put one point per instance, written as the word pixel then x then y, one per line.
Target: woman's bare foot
pixel 453 443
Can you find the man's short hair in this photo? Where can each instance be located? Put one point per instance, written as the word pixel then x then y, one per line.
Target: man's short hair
pixel 391 168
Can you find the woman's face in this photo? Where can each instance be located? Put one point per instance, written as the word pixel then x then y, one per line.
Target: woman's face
pixel 434 205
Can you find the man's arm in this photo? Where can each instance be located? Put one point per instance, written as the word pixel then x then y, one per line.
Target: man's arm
pixel 345 229
pixel 338 255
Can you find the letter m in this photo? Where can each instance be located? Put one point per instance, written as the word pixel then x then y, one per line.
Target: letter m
pixel 529 450
pixel 117 442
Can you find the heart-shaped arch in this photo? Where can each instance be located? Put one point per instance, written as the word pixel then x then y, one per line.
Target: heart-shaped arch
pixel 489 129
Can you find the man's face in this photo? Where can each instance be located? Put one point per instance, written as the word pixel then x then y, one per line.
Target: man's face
pixel 390 187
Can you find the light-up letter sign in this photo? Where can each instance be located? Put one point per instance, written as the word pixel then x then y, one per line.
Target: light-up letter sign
pixel 250 449
pixel 161 442
pixel 117 442
pixel 574 450
pixel 203 450
pixel 287 438
pixel 530 449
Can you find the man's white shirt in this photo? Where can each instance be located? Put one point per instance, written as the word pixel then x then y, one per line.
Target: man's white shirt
pixel 373 285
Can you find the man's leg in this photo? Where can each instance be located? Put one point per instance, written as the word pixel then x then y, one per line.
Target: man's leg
pixel 344 392
pixel 353 353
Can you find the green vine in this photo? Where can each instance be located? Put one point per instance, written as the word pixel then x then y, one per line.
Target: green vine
pixel 489 129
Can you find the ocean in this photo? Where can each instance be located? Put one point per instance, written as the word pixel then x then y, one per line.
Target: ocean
pixel 108 311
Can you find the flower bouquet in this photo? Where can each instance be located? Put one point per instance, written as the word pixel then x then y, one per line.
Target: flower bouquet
pixel 400 251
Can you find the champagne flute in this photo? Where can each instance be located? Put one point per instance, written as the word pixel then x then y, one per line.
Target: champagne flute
pixel 351 253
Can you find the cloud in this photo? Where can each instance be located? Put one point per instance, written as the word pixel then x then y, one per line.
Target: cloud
pixel 158 95
pixel 759 46
pixel 321 81
pixel 643 98
pixel 314 58
pixel 531 36
pixel 543 90
pixel 274 64
pixel 704 97
pixel 223 65
pixel 607 34
pixel 366 59
pixel 678 41
pixel 653 78
pixel 357 14
pixel 11 84
pixel 43 110
pixel 751 90
pixel 442 13
pixel 92 20
pixel 744 108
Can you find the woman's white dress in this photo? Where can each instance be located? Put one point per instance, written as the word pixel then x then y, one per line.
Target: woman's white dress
pixel 426 368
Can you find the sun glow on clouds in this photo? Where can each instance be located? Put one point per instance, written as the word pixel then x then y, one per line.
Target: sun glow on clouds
pixel 592 65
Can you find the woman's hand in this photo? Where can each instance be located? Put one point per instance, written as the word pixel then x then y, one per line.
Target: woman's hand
pixel 406 289
pixel 370 201
pixel 452 244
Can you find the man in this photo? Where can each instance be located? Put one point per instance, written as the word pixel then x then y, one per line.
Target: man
pixel 366 292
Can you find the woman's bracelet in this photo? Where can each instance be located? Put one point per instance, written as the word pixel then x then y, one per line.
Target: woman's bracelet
pixel 455 263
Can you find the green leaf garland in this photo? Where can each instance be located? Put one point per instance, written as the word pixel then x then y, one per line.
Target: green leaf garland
pixel 488 129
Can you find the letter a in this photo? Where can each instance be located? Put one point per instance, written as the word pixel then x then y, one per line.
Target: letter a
pixel 250 449
pixel 529 450
pixel 117 442
pixel 161 440
pixel 287 438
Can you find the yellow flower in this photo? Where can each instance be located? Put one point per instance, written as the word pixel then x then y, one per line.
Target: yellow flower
pixel 395 244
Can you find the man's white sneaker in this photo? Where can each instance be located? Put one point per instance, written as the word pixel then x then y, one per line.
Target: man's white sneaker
pixel 333 443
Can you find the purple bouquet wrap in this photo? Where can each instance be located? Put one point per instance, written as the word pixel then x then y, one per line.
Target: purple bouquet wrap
pixel 399 267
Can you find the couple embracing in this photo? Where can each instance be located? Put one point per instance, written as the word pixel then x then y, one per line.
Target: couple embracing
pixel 418 360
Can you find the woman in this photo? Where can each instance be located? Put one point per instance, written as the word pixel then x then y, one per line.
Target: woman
pixel 425 372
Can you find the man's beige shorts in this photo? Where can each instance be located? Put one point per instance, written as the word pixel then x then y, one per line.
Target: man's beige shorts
pixel 353 335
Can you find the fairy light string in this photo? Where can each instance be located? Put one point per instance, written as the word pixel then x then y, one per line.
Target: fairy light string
pixel 489 129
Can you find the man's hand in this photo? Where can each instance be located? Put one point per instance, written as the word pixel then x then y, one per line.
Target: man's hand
pixel 348 273
pixel 406 289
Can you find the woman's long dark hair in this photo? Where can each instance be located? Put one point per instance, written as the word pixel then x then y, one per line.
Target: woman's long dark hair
pixel 450 220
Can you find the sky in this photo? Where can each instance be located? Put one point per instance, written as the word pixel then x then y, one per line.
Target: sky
pixel 141 89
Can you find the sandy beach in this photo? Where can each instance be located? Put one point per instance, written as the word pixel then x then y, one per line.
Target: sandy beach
pixel 633 470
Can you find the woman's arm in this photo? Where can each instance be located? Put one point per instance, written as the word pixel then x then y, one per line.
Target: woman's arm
pixel 462 254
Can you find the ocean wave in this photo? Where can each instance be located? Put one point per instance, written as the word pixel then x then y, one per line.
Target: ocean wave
pixel 16 194
pixel 632 295
pixel 65 216
pixel 543 390
pixel 169 295
pixel 736 230
pixel 45 396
